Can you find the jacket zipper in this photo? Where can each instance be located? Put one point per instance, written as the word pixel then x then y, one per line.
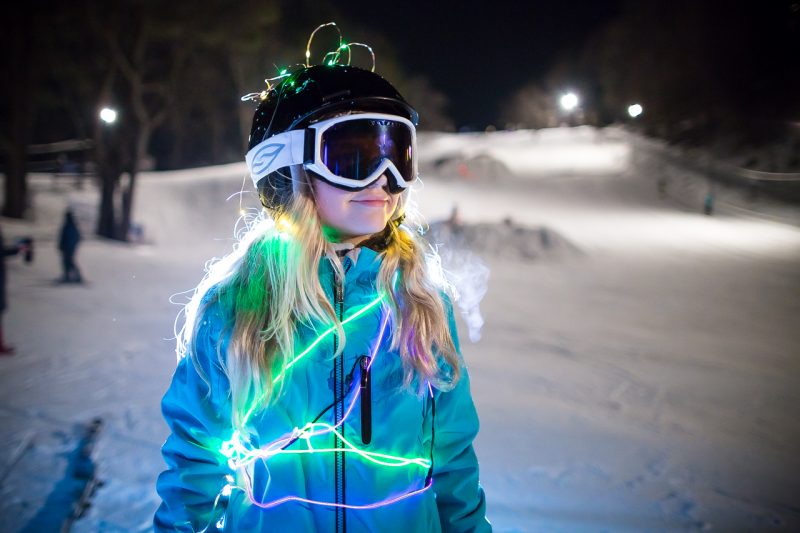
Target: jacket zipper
pixel 338 396
pixel 366 400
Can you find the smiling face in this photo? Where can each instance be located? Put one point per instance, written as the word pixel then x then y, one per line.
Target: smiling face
pixel 353 216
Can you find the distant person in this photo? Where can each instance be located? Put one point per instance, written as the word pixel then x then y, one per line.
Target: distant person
pixel 136 233
pixel 6 252
pixel 708 204
pixel 68 245
pixel 455 217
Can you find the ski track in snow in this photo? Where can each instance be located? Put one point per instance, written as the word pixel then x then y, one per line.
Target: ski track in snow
pixel 644 381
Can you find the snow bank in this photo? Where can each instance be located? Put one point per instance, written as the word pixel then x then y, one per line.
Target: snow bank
pixel 502 154
pixel 647 382
pixel 504 240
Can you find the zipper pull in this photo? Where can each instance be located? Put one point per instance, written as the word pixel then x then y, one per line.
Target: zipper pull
pixel 366 400
pixel 338 292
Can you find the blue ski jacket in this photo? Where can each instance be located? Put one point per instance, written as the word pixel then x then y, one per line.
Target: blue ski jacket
pixel 376 457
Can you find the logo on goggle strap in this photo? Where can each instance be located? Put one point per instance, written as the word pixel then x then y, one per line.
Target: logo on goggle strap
pixel 265 156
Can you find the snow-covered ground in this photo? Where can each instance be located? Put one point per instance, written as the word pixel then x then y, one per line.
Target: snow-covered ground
pixel 637 369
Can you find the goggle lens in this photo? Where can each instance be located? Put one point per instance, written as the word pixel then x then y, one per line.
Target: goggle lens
pixel 355 148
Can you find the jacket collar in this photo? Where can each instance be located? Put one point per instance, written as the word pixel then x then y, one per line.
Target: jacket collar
pixel 354 258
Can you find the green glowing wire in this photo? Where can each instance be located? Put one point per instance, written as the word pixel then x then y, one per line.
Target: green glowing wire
pixel 246 456
pixel 399 461
pixel 305 352
pixel 327 332
pixel 370 456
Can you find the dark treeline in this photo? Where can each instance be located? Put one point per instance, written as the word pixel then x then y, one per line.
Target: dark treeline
pixel 174 72
pixel 700 69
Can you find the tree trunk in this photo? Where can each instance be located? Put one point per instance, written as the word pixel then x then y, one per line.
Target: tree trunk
pixel 16 186
pixel 16 190
pixel 106 223
pixel 178 131
pixel 108 156
pixel 127 207
pixel 142 142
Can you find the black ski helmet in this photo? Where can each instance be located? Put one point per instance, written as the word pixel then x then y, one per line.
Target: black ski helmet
pixel 309 94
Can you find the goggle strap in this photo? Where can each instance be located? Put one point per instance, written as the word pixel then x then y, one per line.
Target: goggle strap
pixel 279 151
pixel 297 147
pixel 310 145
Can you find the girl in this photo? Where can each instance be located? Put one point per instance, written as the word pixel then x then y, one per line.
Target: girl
pixel 322 388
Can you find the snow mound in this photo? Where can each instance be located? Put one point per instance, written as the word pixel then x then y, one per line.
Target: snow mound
pixel 464 249
pixel 194 207
pixel 524 153
pixel 506 239
pixel 481 166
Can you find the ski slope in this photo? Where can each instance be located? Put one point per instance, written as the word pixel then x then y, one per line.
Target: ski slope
pixel 636 370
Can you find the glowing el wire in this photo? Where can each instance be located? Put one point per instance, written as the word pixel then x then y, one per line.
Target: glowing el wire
pixel 381 503
pixel 296 432
pixel 305 352
pixel 369 49
pixel 327 332
pixel 335 55
pixel 240 456
pixel 311 38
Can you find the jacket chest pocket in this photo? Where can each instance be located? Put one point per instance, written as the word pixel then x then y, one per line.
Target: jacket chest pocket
pixel 398 415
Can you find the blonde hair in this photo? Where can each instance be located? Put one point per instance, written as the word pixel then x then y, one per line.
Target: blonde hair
pixel 270 284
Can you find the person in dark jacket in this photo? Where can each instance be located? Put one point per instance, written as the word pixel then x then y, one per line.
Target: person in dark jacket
pixel 68 245
pixel 14 250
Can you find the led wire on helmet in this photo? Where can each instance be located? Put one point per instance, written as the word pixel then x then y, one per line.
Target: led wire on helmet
pixel 334 56
pixel 289 148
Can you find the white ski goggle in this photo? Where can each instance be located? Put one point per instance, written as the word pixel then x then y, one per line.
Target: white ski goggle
pixel 350 152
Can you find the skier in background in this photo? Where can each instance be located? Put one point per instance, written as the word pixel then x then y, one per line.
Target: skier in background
pixel 68 242
pixel 708 203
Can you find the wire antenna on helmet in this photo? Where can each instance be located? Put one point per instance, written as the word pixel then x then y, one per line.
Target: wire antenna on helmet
pixel 369 49
pixel 262 95
pixel 311 38
pixel 330 58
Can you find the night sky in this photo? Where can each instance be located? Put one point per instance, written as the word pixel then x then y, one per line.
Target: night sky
pixel 479 53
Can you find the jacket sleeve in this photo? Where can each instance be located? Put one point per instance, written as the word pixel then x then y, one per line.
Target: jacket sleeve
pixel 459 497
pixel 198 416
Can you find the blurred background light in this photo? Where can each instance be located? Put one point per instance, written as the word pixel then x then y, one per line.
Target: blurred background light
pixel 108 115
pixel 569 101
pixel 634 110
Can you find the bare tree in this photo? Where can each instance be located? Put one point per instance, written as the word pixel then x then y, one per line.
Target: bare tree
pixel 233 50
pixel 530 107
pixel 430 103
pixel 700 69
pixel 148 53
pixel 17 109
